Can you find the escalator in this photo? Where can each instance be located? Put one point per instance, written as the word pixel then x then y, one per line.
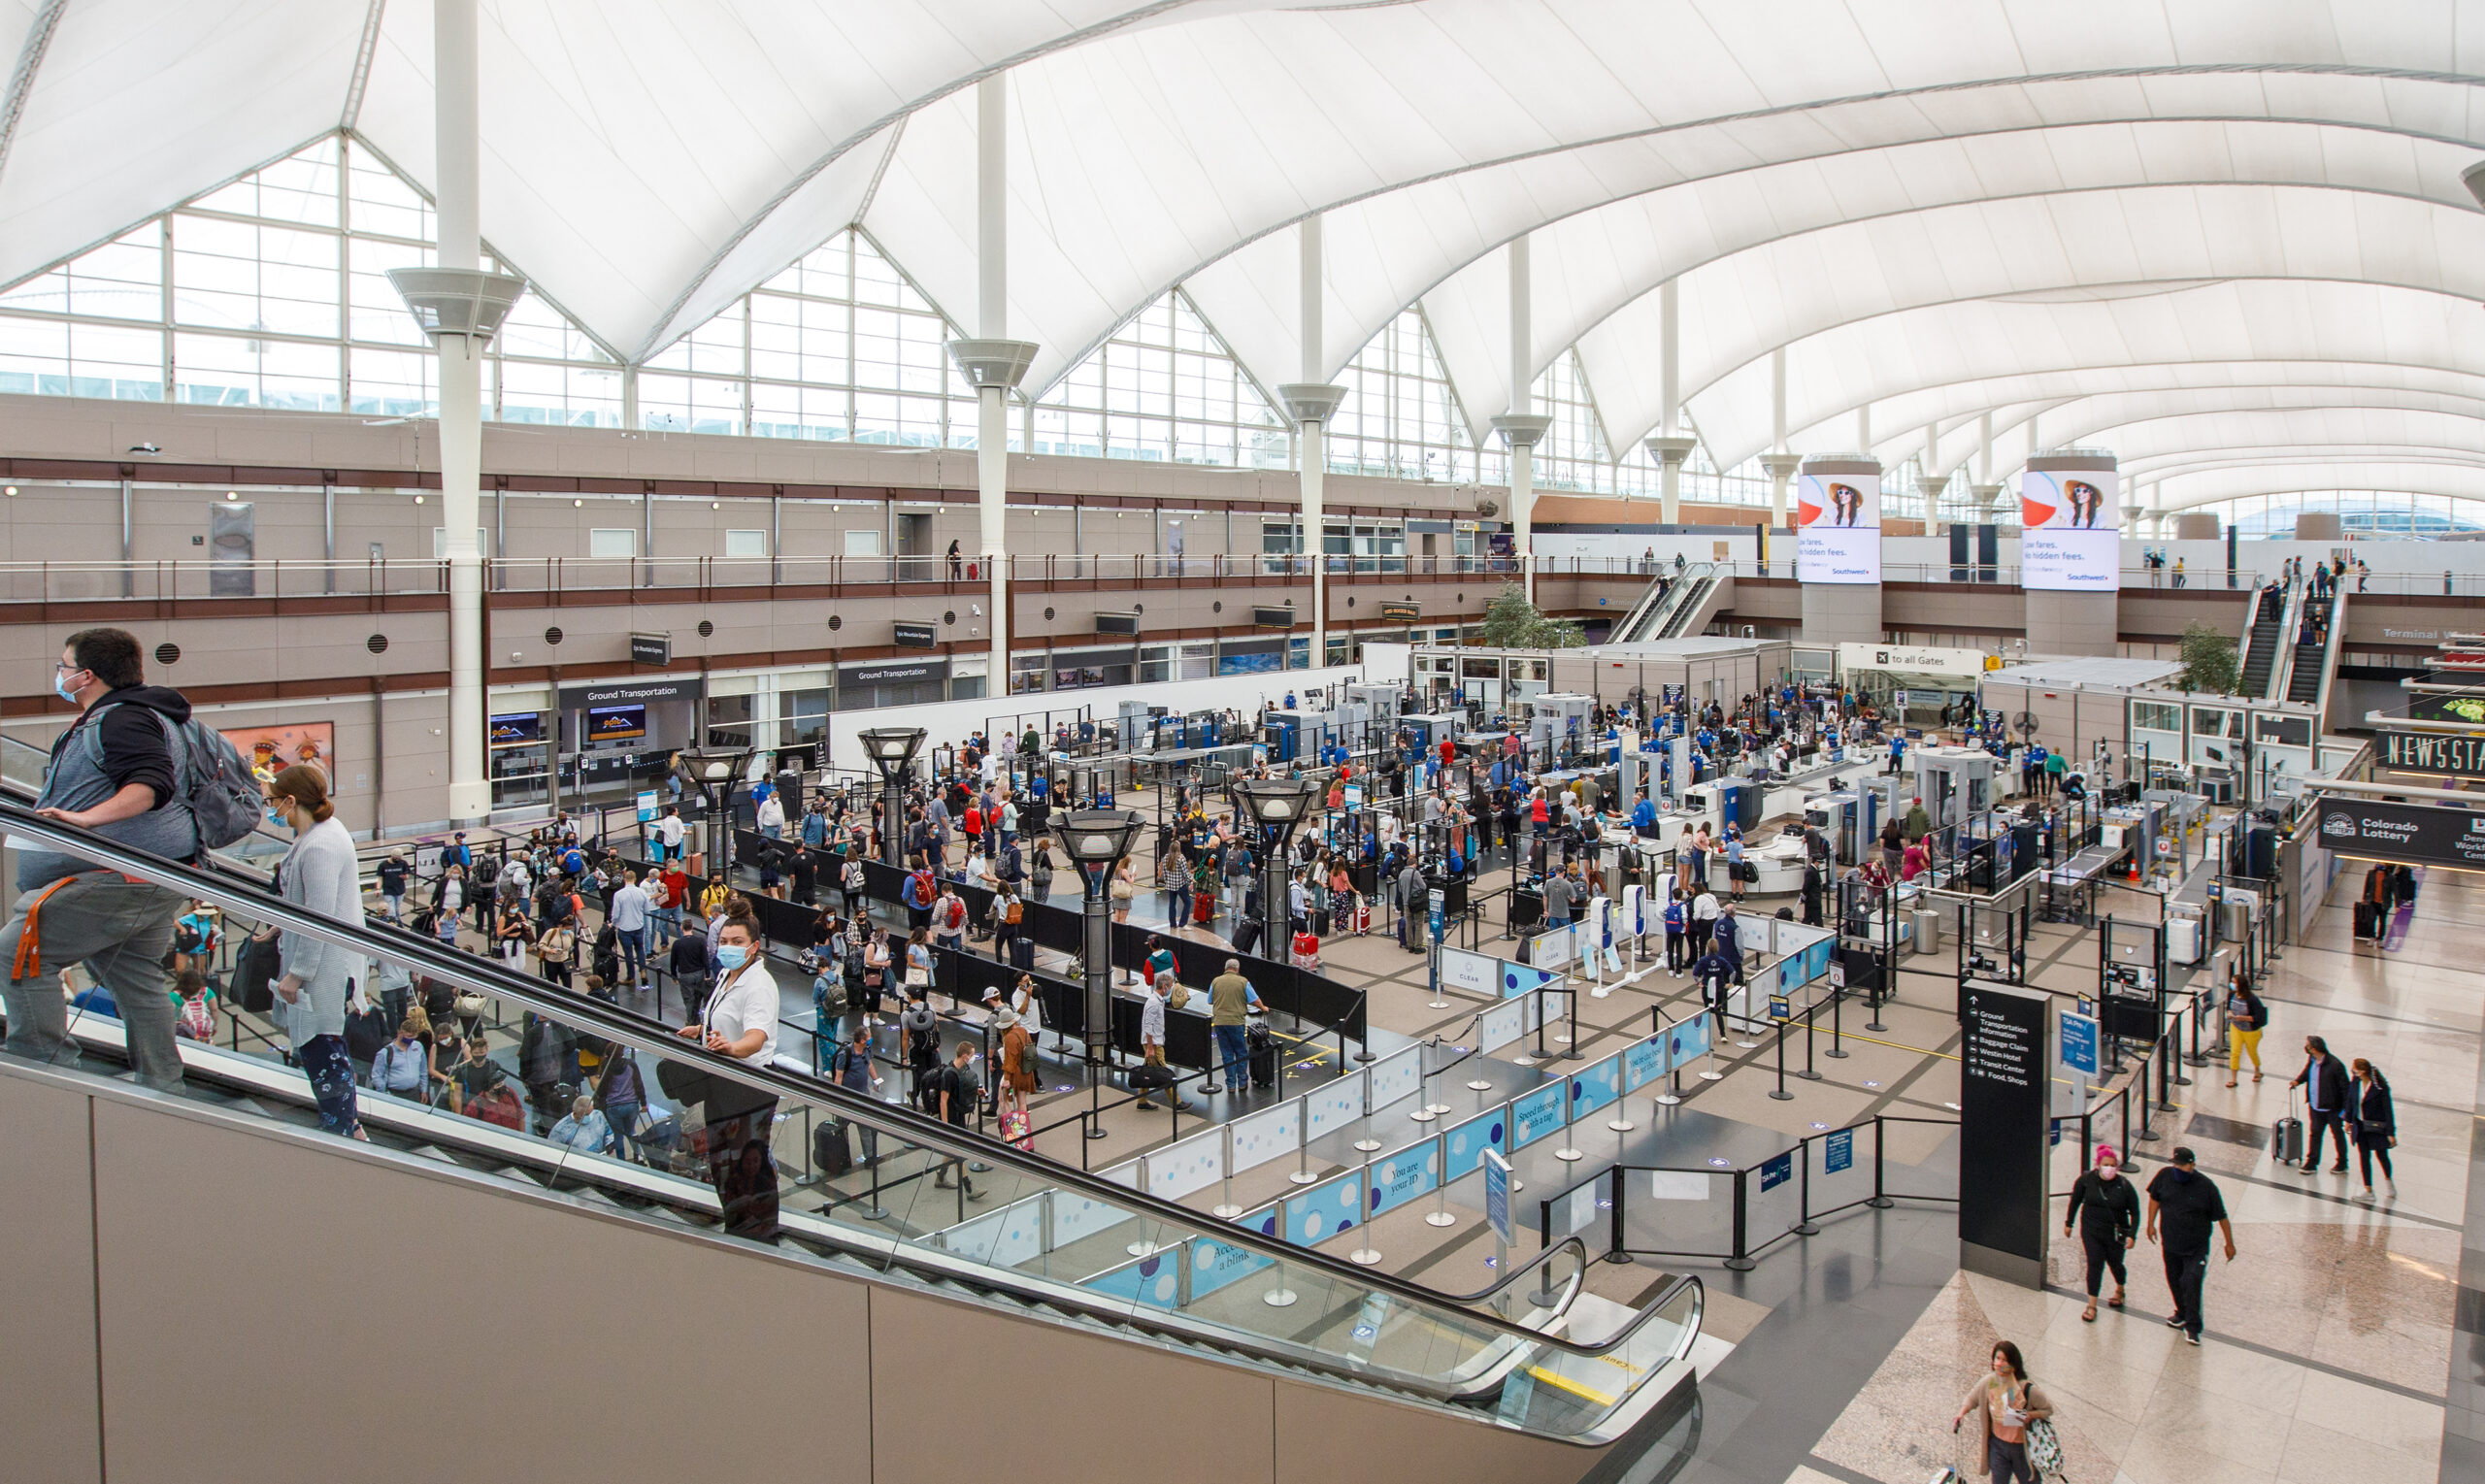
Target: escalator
pixel 1667 604
pixel 1690 615
pixel 1531 1361
pixel 2263 642
pixel 2308 677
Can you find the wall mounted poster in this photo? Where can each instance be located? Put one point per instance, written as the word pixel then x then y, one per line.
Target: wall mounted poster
pixel 2071 530
pixel 1837 519
pixel 269 750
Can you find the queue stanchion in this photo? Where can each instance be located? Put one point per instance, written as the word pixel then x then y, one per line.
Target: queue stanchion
pixel 1301 1174
pixel 1811 1017
pixel 1226 1210
pixel 1365 1255
pixel 1424 1112
pixel 1779 1092
pixel 1837 1024
pixel 1367 1144
pixel 1438 1215
pixel 1570 1102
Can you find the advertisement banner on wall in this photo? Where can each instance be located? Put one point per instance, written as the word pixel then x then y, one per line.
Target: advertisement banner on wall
pixel 1837 519
pixel 2408 834
pixel 2070 535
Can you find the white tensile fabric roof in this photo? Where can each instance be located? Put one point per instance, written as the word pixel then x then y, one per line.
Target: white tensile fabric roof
pixel 1939 208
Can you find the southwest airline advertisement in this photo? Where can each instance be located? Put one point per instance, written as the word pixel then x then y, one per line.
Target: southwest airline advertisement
pixel 1838 527
pixel 2071 536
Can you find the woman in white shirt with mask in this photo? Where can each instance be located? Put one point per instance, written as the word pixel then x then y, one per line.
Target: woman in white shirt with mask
pixel 740 1020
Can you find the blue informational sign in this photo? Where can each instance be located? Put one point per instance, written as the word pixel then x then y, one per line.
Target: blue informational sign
pixel 1400 1177
pixel 1468 1141
pixel 1837 1153
pixel 1778 1172
pixel 1154 1281
pixel 1688 1041
pixel 1435 915
pixel 1215 1264
pixel 1642 1063
pixel 648 806
pixel 1594 1087
pixel 1780 1007
pixel 1325 1211
pixel 1537 1114
pixel 1497 1195
pixel 2079 1044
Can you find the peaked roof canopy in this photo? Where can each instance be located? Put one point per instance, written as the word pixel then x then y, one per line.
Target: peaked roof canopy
pixel 2092 215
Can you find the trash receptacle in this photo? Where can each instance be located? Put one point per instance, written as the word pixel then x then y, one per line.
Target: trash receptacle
pixel 1928 930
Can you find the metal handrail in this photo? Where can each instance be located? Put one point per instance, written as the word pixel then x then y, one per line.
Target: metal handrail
pixel 632 1031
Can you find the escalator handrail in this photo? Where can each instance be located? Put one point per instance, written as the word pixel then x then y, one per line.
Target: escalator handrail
pixel 486 976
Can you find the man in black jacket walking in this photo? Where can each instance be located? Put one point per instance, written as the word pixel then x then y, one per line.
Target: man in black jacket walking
pixel 2324 1081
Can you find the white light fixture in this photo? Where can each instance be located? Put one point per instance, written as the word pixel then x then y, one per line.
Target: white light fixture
pixel 13 492
pixel 232 494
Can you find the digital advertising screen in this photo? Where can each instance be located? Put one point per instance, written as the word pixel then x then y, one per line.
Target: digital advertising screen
pixel 1838 527
pixel 2071 530
pixel 616 723
pixel 516 729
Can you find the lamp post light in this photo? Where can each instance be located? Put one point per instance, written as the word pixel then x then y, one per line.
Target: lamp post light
pixel 713 773
pixel 892 751
pixel 1098 840
pixel 1275 807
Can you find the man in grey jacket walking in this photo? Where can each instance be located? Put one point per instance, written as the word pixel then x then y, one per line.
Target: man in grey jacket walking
pixel 112 772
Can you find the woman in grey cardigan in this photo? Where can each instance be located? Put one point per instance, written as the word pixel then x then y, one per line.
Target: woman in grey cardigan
pixel 320 875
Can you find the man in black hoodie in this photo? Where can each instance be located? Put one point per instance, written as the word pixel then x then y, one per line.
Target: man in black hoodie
pixel 112 772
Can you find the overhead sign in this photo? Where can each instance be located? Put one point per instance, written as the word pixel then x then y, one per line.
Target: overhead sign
pixel 651 649
pixel 1117 623
pixel 2071 530
pixel 2403 833
pixel 1272 617
pixel 628 693
pixel 1838 523
pixel 1913 658
pixel 2453 755
pixel 916 635
pixel 898 674
pixel 2079 1044
pixel 1401 613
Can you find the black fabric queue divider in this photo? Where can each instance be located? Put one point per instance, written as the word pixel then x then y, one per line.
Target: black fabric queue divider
pixel 966 976
pixel 1309 998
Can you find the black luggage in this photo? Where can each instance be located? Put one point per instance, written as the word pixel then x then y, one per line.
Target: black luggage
pixel 2369 919
pixel 1263 1047
pixel 1246 936
pixel 2286 1138
pixel 831 1153
pixel 1022 952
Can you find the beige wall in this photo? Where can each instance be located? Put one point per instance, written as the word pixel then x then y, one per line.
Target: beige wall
pixel 265 1304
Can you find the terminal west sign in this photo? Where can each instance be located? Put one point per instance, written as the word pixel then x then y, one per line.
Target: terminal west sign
pixel 2408 834
pixel 2456 755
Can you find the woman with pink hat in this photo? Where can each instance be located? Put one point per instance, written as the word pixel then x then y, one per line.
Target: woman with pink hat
pixel 2107 1211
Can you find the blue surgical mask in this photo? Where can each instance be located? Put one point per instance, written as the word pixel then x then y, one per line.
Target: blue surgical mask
pixel 277 815
pixel 731 955
pixel 60 687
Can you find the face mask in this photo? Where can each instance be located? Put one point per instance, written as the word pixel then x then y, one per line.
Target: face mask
pixel 731 955
pixel 60 687
pixel 277 815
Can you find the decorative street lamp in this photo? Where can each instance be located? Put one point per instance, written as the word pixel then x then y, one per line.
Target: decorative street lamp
pixel 713 773
pixel 1275 807
pixel 892 751
pixel 1098 840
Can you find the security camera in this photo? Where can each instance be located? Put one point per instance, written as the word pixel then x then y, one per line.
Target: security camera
pixel 144 448
pixel 975 608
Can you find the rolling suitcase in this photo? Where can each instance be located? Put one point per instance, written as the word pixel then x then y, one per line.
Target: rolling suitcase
pixel 1203 907
pixel 1263 1046
pixel 2367 919
pixel 831 1154
pixel 1246 936
pixel 1022 952
pixel 2286 1138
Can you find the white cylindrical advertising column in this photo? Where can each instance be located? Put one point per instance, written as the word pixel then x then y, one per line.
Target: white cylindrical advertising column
pixel 2071 551
pixel 1837 548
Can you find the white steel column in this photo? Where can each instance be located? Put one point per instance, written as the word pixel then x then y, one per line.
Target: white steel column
pixel 992 323
pixel 1988 494
pixel 1670 447
pixel 1864 430
pixel 1522 426
pixel 1779 463
pixel 992 363
pixel 1310 402
pixel 457 125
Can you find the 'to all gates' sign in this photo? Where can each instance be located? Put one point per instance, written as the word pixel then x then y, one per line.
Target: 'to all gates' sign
pixel 2406 834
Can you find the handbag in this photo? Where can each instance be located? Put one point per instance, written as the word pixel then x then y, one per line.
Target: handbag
pixel 2044 1449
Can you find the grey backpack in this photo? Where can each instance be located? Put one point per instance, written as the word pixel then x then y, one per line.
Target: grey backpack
pixel 222 795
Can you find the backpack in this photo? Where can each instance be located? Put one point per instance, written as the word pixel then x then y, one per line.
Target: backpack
pixel 929 1087
pixel 958 913
pixel 917 892
pixel 1017 913
pixel 828 996
pixel 221 792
